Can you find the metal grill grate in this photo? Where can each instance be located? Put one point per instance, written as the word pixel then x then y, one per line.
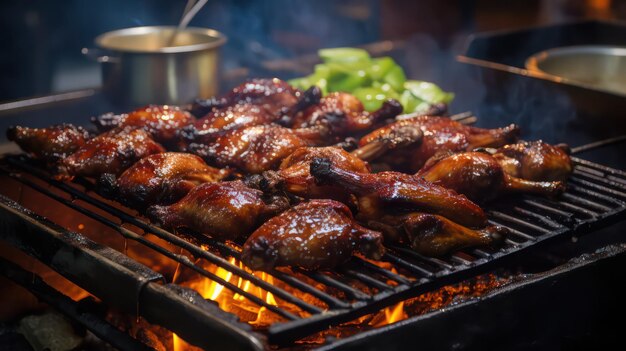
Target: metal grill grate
pixel 595 197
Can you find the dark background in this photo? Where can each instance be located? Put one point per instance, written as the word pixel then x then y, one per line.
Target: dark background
pixel 41 40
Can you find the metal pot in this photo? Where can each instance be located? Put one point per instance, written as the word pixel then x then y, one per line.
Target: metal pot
pixel 138 67
pixel 592 66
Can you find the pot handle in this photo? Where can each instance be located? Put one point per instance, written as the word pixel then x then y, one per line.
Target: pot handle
pixel 99 55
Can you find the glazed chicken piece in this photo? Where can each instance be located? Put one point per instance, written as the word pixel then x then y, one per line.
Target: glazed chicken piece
pixel 275 96
pixel 434 235
pixel 318 234
pixel 49 144
pixel 382 192
pixel 397 139
pixel 439 134
pixel 231 117
pixel 294 175
pixel 223 210
pixel 159 179
pixel 536 161
pixel 480 177
pixel 111 152
pixel 218 121
pixel 339 115
pixel 162 122
pixel 251 149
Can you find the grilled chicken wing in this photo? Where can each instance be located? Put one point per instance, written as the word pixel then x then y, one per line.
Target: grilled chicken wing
pixel 439 134
pixel 480 177
pixel 111 152
pixel 380 192
pixel 221 120
pixel 314 235
pixel 223 210
pixel 231 117
pixel 49 144
pixel 251 149
pixel 434 235
pixel 162 122
pixel 159 179
pixel 536 161
pixel 294 174
pixel 274 95
pixel 396 139
pixel 339 115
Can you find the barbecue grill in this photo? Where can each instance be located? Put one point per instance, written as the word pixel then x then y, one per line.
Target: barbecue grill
pixel 317 301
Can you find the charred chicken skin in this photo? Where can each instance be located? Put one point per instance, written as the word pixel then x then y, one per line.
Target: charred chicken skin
pixel 294 175
pixel 223 210
pixel 318 234
pixel 434 235
pixel 231 117
pixel 250 149
pixel 379 193
pixel 480 177
pixel 536 161
pixel 274 96
pixel 439 134
pixel 219 121
pixel 159 179
pixel 162 122
pixel 111 152
pixel 49 144
pixel 339 115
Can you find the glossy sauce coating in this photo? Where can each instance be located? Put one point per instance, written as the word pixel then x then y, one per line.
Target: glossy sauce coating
pixel 480 177
pixel 161 121
pixel 440 134
pixel 111 152
pixel 535 160
pixel 339 115
pixel 224 210
pixel 434 235
pixel 295 173
pixel 313 235
pixel 232 117
pixel 274 96
pixel 251 149
pixel 383 192
pixel 163 178
pixel 51 143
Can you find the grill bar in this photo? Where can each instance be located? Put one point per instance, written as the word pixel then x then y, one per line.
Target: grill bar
pixel 302 286
pixel 137 288
pixel 184 260
pixel 595 197
pixel 70 308
pixel 163 235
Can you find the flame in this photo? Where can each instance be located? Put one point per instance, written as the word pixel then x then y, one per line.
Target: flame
pixel 395 313
pixel 177 343
pixel 232 301
pixel 387 316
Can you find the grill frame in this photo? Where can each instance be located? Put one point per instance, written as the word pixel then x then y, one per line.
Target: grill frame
pixel 600 184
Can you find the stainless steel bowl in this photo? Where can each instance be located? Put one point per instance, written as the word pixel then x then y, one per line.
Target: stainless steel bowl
pixel 595 67
pixel 139 67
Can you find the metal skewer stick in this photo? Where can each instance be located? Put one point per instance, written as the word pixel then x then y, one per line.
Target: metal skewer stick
pixel 597 144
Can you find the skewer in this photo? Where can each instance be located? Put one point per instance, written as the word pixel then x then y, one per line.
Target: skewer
pixel 462 115
pixel 597 144
pixel 466 117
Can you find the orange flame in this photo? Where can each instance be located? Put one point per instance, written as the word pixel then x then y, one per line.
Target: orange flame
pixel 231 301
